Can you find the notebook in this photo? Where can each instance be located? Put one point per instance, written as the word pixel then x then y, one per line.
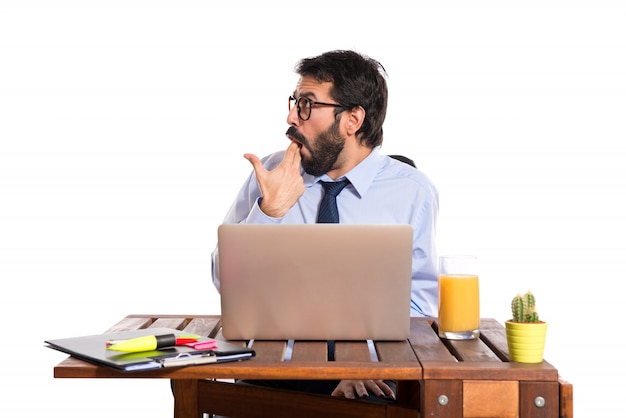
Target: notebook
pixel 92 348
pixel 315 281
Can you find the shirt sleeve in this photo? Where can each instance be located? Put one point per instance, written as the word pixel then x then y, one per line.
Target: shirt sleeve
pixel 246 209
pixel 425 285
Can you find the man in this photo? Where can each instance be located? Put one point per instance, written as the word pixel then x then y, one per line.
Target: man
pixel 335 119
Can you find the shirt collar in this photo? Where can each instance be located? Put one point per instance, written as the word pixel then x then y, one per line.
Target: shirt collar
pixel 360 177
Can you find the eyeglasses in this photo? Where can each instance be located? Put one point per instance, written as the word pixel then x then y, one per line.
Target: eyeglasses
pixel 304 105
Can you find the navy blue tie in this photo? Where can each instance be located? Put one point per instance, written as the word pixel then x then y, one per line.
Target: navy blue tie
pixel 328 213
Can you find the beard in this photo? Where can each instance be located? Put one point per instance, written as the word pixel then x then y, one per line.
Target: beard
pixel 324 151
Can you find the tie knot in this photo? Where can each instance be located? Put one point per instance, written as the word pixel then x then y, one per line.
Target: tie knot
pixel 333 188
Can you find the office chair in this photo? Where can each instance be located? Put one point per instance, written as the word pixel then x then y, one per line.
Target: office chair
pixel 403 159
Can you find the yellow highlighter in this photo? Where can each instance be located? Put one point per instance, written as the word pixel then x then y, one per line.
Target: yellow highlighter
pixel 147 343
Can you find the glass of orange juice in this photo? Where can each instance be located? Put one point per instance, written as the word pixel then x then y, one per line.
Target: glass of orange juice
pixel 459 301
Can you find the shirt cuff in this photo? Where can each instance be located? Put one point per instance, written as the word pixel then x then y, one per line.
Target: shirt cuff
pixel 257 216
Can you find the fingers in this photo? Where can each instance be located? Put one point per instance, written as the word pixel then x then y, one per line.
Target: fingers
pixel 282 186
pixel 359 389
pixel 292 155
pixel 342 394
pixel 386 390
pixel 292 158
pixel 350 389
pixel 362 388
pixel 375 387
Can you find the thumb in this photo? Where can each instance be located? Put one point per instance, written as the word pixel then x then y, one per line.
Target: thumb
pixel 256 163
pixel 254 160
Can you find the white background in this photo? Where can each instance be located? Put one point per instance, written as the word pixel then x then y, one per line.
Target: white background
pixel 122 129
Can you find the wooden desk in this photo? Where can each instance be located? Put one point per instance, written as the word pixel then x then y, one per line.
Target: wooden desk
pixel 469 379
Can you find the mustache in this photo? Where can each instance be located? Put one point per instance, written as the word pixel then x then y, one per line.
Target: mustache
pixel 293 132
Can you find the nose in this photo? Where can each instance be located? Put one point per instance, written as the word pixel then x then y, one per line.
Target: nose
pixel 292 117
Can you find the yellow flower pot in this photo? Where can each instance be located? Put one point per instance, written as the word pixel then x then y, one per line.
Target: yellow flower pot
pixel 526 341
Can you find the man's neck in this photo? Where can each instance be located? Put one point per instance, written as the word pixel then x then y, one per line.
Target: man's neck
pixel 348 159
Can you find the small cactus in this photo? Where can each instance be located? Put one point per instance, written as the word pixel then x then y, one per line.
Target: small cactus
pixel 523 308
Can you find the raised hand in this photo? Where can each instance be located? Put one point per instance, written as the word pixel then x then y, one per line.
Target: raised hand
pixel 281 187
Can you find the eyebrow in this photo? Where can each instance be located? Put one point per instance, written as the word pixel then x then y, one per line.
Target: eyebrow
pixel 307 94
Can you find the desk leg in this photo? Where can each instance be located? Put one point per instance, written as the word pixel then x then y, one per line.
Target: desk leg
pixel 408 394
pixel 442 398
pixel 539 400
pixel 566 403
pixel 186 399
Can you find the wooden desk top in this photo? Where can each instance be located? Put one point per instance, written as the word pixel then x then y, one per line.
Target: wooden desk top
pixel 423 356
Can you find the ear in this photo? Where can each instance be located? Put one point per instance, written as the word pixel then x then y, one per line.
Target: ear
pixel 355 120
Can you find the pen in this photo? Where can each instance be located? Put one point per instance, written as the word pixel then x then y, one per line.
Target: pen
pixel 180 340
pixel 147 343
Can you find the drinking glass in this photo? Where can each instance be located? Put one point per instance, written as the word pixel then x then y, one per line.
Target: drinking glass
pixel 459 301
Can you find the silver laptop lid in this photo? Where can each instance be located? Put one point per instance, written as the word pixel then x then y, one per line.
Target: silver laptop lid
pixel 315 281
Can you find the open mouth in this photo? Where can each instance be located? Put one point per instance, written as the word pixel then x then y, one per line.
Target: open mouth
pixel 292 139
pixel 295 136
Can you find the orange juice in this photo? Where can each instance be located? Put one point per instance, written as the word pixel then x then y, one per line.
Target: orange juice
pixel 459 303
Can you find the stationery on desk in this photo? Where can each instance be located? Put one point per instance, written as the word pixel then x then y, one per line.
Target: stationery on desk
pixel 150 348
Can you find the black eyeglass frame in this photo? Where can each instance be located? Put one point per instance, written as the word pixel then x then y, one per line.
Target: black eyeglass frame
pixel 311 104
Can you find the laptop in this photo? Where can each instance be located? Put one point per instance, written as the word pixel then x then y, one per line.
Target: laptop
pixel 315 281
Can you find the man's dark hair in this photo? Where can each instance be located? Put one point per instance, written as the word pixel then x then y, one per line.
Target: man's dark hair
pixel 357 80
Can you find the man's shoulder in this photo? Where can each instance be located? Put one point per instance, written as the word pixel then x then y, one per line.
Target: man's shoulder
pixel 407 177
pixel 402 169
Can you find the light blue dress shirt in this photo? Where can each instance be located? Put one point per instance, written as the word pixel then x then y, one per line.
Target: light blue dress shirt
pixel 381 191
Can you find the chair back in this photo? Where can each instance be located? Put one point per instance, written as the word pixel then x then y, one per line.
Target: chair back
pixel 403 159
